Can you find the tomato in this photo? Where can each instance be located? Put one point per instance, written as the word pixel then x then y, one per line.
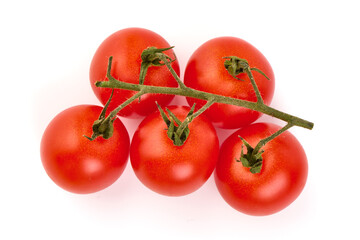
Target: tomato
pixel 280 181
pixel 174 170
pixel 126 47
pixel 77 164
pixel 205 71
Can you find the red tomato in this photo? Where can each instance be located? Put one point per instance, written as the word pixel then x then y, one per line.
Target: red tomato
pixel 174 170
pixel 77 164
pixel 282 177
pixel 205 71
pixel 126 47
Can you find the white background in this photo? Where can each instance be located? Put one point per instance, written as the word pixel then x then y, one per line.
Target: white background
pixel 45 52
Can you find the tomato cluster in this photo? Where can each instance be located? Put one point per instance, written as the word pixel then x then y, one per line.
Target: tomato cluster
pixel 82 165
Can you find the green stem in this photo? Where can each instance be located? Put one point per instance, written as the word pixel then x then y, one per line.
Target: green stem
pixel 203 108
pixel 186 122
pixel 172 71
pixel 262 142
pixel 189 92
pixel 256 89
pixel 124 104
pixel 143 70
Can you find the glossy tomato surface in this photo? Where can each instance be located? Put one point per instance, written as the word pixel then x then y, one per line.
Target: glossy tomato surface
pixel 126 47
pixel 281 180
pixel 174 170
pixel 205 71
pixel 77 164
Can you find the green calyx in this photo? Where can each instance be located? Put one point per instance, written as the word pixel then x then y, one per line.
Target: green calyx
pixel 103 126
pixel 235 65
pixel 252 158
pixel 153 56
pixel 177 131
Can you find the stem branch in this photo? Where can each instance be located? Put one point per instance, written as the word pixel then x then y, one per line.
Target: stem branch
pixel 124 104
pixel 256 89
pixel 172 71
pixel 186 122
pixel 262 142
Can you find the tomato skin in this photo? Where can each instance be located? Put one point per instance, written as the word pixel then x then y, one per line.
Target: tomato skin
pixel 205 71
pixel 77 164
pixel 126 47
pixel 174 170
pixel 281 180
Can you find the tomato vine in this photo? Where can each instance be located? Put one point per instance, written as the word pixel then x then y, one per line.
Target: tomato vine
pixel 156 57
